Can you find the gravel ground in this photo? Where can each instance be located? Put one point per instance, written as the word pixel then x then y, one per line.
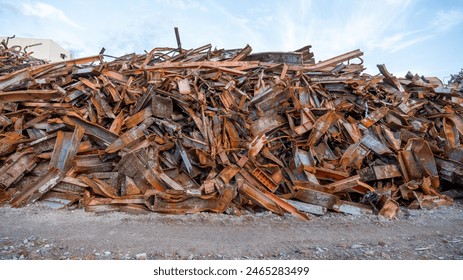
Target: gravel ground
pixel 36 232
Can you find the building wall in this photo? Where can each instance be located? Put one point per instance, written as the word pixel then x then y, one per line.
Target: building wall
pixel 48 50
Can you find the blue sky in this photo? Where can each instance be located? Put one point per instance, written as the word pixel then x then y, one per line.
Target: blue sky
pixel 423 36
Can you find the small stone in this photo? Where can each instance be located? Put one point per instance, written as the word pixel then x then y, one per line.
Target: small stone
pixel 25 241
pixel 382 243
pixel 67 253
pixel 319 249
pixel 22 257
pixel 141 256
pixel 356 246
pixel 183 254
pixel 369 253
pixel 191 257
pixel 107 253
pixel 97 254
pixel 46 246
pixel 386 256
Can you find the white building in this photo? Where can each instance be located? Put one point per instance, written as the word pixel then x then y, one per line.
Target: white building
pixel 45 49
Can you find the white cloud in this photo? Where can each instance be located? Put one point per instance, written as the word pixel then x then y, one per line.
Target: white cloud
pixel 443 21
pixel 446 20
pixel 42 10
pixel 368 24
pixel 184 4
pixel 239 29
pixel 398 2
pixel 401 40
pixel 340 26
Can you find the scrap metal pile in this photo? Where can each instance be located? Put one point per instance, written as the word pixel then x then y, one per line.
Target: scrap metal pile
pixel 183 131
pixel 14 58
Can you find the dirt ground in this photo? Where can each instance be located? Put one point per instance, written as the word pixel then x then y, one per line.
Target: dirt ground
pixel 37 232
